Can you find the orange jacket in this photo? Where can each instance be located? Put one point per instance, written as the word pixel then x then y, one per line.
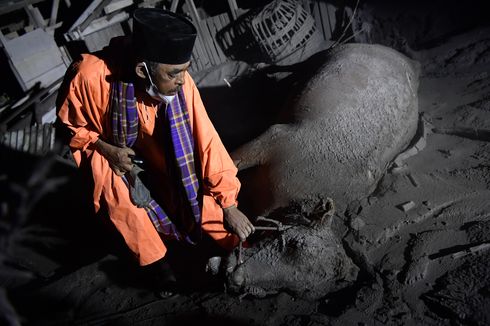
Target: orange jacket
pixel 84 112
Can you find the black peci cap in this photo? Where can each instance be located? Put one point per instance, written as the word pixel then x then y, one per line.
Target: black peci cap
pixel 162 36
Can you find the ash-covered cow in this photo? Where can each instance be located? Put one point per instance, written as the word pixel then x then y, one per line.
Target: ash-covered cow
pixel 351 119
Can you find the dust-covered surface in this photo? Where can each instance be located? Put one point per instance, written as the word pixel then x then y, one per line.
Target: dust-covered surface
pixel 420 241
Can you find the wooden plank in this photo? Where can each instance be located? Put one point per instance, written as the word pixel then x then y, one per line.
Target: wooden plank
pixel 54 12
pixel 207 42
pixel 200 53
pixel 35 16
pixel 196 63
pixel 96 13
pixel 212 22
pixel 200 28
pixel 194 66
pixel 46 138
pixel 216 49
pixel 213 30
pixel 9 6
pixel 307 6
pixel 197 51
pixel 196 54
pixel 53 137
pixel 217 24
pixel 233 9
pixel 50 29
pixel 103 23
pixel 20 137
pixel 205 59
pixel 27 140
pixel 89 14
pixel 326 27
pixel 317 17
pixel 204 56
pixel 12 35
pixel 193 12
pixel 86 13
pixel 35 57
pixel 223 25
pixel 3 40
pixel 225 21
pixel 331 17
pixel 33 140
pixel 40 139
pixel 220 25
pixel 96 41
pixel 174 5
pixel 214 26
pixel 12 140
pixel 323 20
pixel 117 5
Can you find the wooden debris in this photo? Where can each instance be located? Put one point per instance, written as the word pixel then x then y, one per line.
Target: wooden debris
pixel 471 250
pixel 465 132
pixel 93 11
pixel 405 207
pixel 35 57
pixel 412 180
pixel 117 5
pixel 174 5
pixel 233 9
pixel 54 12
pixel 38 139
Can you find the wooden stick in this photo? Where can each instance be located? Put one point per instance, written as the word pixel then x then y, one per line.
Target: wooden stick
pixel 266 228
pixel 233 9
pixel 54 12
pixel 174 5
pixel 240 249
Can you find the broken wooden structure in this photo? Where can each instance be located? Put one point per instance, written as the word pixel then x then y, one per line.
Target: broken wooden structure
pixel 37 139
pixel 38 63
pixel 34 57
pixel 99 22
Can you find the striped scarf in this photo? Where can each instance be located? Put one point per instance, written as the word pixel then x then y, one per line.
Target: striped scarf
pixel 124 133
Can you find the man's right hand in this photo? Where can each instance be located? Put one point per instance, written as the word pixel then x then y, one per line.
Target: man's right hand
pixel 235 221
pixel 119 158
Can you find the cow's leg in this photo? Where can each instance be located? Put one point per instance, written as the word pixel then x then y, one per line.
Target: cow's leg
pixel 258 151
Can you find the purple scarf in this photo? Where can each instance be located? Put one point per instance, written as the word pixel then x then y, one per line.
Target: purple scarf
pixel 124 133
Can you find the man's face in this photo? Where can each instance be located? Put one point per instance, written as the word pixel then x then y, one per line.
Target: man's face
pixel 169 78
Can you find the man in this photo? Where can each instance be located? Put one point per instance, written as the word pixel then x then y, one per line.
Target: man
pixel 135 103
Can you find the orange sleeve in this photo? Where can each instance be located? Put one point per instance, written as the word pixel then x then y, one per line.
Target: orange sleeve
pixel 84 106
pixel 218 170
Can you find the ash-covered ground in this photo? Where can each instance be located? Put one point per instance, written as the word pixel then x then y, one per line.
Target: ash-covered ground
pixel 421 240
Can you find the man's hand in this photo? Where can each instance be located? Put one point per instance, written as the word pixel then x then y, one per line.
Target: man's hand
pixel 119 158
pixel 237 222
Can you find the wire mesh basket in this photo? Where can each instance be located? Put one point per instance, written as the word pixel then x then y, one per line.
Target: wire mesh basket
pixel 281 28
